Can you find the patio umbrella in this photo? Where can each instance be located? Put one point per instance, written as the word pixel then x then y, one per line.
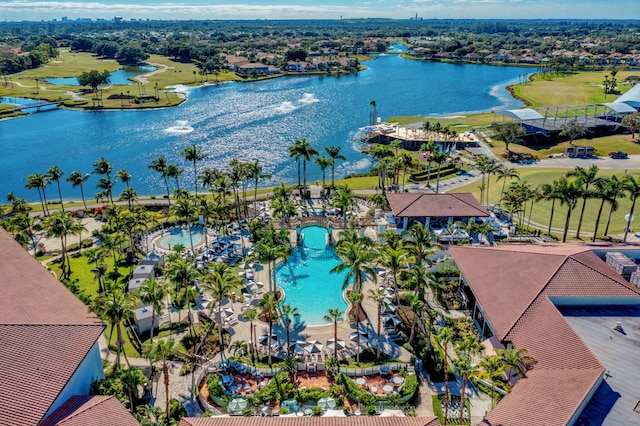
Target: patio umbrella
pixel 224 312
pixel 364 338
pixel 391 319
pixel 298 346
pixel 388 307
pixel 253 288
pixel 237 404
pixel 331 344
pixel 265 340
pixel 327 403
pixel 313 347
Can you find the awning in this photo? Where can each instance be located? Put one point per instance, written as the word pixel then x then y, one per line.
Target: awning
pixel 620 107
pixel 521 114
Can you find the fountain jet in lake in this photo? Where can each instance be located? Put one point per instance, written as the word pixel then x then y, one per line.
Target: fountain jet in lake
pixel 180 128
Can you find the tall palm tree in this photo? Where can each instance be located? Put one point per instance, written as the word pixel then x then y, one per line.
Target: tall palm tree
pixel 269 305
pixel 504 172
pixel 570 193
pixel 153 292
pixel 235 174
pixel 256 172
pixel 395 260
pixel 334 154
pixel 355 299
pixel 465 370
pixel 428 149
pixel 283 209
pixel 132 377
pixel 116 307
pixel 632 186
pixel 162 350
pixel 186 208
pixel 416 305
pixel 60 225
pixel 103 168
pixel 445 336
pixel 124 176
pixel 174 172
pixel 421 243
pixel 601 191
pixel 439 157
pixel 78 179
pixel 221 281
pixel 39 182
pixel 130 196
pixel 251 315
pixel 585 177
pixel 377 296
pixel 323 162
pixel 492 369
pixel 307 151
pixel 295 151
pixel 193 154
pixel 160 165
pixel 182 274
pixel 356 260
pixel 551 192
pixel 269 253
pixel 344 200
pixel 55 174
pixel 334 315
pixel 617 191
pixel 288 315
pixel 96 257
pixel 517 360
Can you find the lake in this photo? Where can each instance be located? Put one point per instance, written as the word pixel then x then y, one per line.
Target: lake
pixel 256 120
pixel 121 76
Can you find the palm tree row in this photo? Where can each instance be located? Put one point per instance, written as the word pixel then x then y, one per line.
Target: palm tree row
pixel 576 187
pixel 302 151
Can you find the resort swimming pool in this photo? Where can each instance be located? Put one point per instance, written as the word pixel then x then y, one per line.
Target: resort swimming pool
pixel 178 235
pixel 306 281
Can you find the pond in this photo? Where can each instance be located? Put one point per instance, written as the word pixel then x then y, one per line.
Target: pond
pixel 121 76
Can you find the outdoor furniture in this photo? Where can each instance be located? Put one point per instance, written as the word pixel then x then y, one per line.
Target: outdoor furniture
pixel 361 381
pixel 397 380
pixel 387 388
pixel 373 389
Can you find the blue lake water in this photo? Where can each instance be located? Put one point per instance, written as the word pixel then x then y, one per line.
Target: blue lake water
pixel 306 281
pixel 257 120
pixel 120 76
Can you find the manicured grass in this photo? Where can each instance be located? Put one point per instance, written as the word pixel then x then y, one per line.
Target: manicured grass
pixel 542 209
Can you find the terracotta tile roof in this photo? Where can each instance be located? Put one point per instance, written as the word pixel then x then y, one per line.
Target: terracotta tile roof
pixel 91 411
pixel 517 286
pixel 46 332
pixel 310 421
pixel 435 205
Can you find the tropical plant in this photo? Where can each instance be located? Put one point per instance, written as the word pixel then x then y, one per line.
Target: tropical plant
pixel 288 315
pixel 60 225
pixel 132 377
pixel 55 174
pixel 445 336
pixel 192 154
pixel 503 173
pixel 417 306
pixel 465 370
pixel 427 150
pixel 78 179
pixel 517 360
pixel 160 165
pixel 377 296
pixel 334 154
pixel 508 132
pixel 439 157
pixel 356 260
pixel 617 191
pixel 492 369
pixel 323 162
pixel 39 182
pixel 103 167
pixel 421 243
pixel 632 186
pixel 585 178
pixel 162 351
pixel 269 305
pixel 344 200
pixel 124 176
pixel 267 253
pixel 256 172
pixel 182 274
pixel 334 315
pixel 395 260
pixel 186 208
pixel 251 315
pixel 153 293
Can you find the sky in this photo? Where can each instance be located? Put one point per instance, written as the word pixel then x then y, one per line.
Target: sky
pixel 36 10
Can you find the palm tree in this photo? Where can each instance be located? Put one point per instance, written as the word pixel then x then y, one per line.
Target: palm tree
pixel 517 360
pixel 617 191
pixel 186 208
pixel 116 307
pixel 193 154
pixel 585 177
pixel 334 154
pixel 55 174
pixel 96 257
pixel 288 314
pixel 39 182
pixel 439 157
pixel 602 185
pixel 103 167
pixel 256 173
pixel 173 171
pixel 395 260
pixel 355 298
pixel 160 165
pixel 182 274
pixel 124 176
pixel 78 179
pixel 130 196
pixel 153 292
pixel 334 315
pixel 632 186
pixel 445 336
pixel 428 149
pixel 221 281
pixel 269 304
pixel 416 305
pixel 60 225
pixel 162 350
pixel 295 151
pixel 488 166
pixel 492 369
pixel 268 253
pixel 570 192
pixel 307 151
pixel 283 209
pixel 503 173
pixel 132 377
pixel 550 191
pixel 464 369
pixel 251 315
pixel 344 200
pixel 421 243
pixel 356 261
pixel 323 162
pixel 377 296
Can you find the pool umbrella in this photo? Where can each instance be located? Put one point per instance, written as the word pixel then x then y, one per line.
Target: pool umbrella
pixel 327 403
pixel 388 307
pixel 265 340
pixel 253 288
pixel 364 338
pixel 237 404
pixel 224 312
pixel 391 319
pixel 313 347
pixel 331 344
pixel 298 346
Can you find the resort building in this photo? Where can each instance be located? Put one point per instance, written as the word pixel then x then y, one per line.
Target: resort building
pixel 49 353
pixel 435 211
pixel 311 421
pixel 571 311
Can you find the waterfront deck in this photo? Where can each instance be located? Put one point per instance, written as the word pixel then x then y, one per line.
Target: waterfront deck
pixel 412 135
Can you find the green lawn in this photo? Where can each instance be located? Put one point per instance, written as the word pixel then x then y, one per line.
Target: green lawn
pixel 542 209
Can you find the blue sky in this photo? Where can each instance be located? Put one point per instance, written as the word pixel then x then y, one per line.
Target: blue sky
pixel 14 10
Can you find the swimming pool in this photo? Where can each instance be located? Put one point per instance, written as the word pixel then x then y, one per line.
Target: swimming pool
pixel 306 281
pixel 178 235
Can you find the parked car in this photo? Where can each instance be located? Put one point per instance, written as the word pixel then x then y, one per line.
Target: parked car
pixel 618 154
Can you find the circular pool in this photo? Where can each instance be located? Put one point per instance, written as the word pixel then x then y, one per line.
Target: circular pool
pixel 179 235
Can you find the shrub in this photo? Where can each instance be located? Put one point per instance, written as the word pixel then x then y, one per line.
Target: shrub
pixel 214 386
pixel 371 410
pixel 311 394
pixel 316 411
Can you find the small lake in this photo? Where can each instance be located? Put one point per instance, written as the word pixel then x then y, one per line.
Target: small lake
pixel 121 76
pixel 248 121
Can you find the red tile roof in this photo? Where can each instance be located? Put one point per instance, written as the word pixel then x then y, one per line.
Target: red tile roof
pixel 516 286
pixel 46 332
pixel 435 205
pixel 310 421
pixel 91 411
